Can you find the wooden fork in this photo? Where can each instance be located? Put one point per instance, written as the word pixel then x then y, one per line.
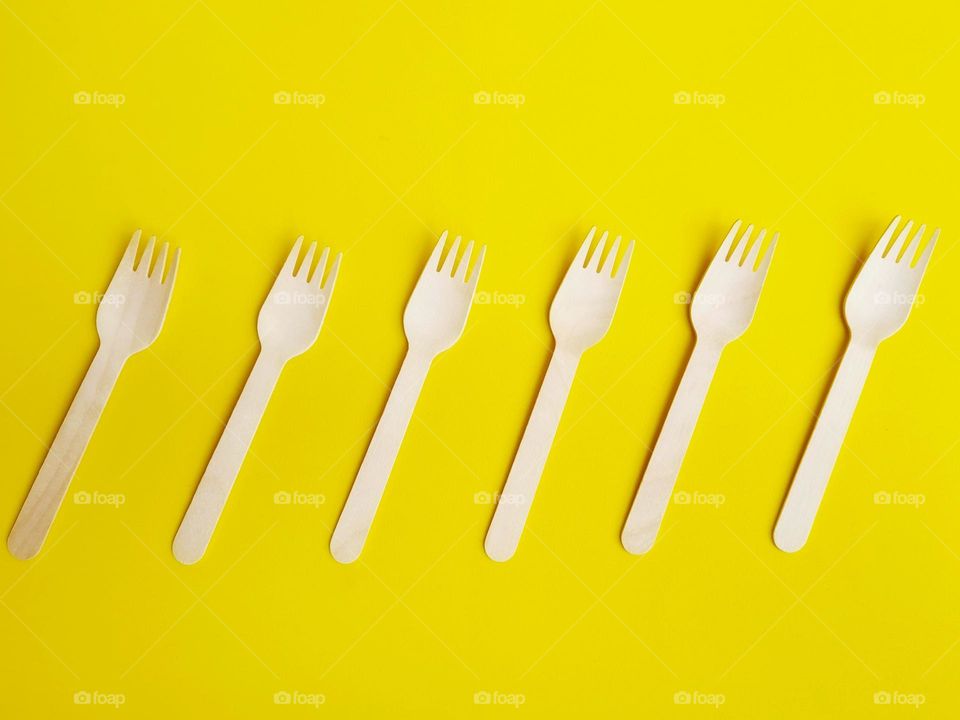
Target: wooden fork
pixel 721 310
pixel 580 316
pixel 129 319
pixel 289 323
pixel 433 321
pixel 877 305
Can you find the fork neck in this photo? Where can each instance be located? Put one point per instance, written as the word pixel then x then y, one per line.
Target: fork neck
pixel 108 362
pixel 416 364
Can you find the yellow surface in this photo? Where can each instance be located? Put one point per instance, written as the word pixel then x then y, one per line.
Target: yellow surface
pixel 783 130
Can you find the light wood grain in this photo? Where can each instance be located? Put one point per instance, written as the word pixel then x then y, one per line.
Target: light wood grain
pixel 877 305
pixel 721 310
pixel 289 324
pixel 129 319
pixel 433 321
pixel 356 519
pixel 580 316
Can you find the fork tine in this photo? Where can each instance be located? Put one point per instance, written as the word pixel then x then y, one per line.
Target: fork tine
pixel 624 263
pixel 461 273
pixel 157 274
pixel 581 259
pixel 607 268
pixel 145 259
pixel 724 252
pixel 434 262
pixel 447 268
pixel 751 261
pixel 927 252
pixel 765 260
pixel 894 252
pixel 291 260
pixel 881 248
pixel 332 277
pixel 304 270
pixel 910 253
pixel 317 275
pixel 130 254
pixel 167 282
pixel 741 248
pixel 475 275
pixel 594 262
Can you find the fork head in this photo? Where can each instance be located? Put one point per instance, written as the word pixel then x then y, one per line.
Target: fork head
pixel 880 298
pixel 437 310
pixel 293 313
pixel 583 307
pixel 132 311
pixel 723 305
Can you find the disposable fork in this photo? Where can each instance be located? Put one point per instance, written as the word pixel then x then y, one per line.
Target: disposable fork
pixel 433 321
pixel 721 311
pixel 877 305
pixel 289 323
pixel 580 316
pixel 129 319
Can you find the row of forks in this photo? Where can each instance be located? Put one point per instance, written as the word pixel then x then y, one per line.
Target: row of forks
pixel 581 314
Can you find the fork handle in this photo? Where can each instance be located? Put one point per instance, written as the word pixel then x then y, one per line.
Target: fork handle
pixel 50 487
pixel 357 517
pixel 514 502
pixel 660 477
pixel 819 457
pixel 211 495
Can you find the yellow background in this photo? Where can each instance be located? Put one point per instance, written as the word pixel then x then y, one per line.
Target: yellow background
pixel 200 154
